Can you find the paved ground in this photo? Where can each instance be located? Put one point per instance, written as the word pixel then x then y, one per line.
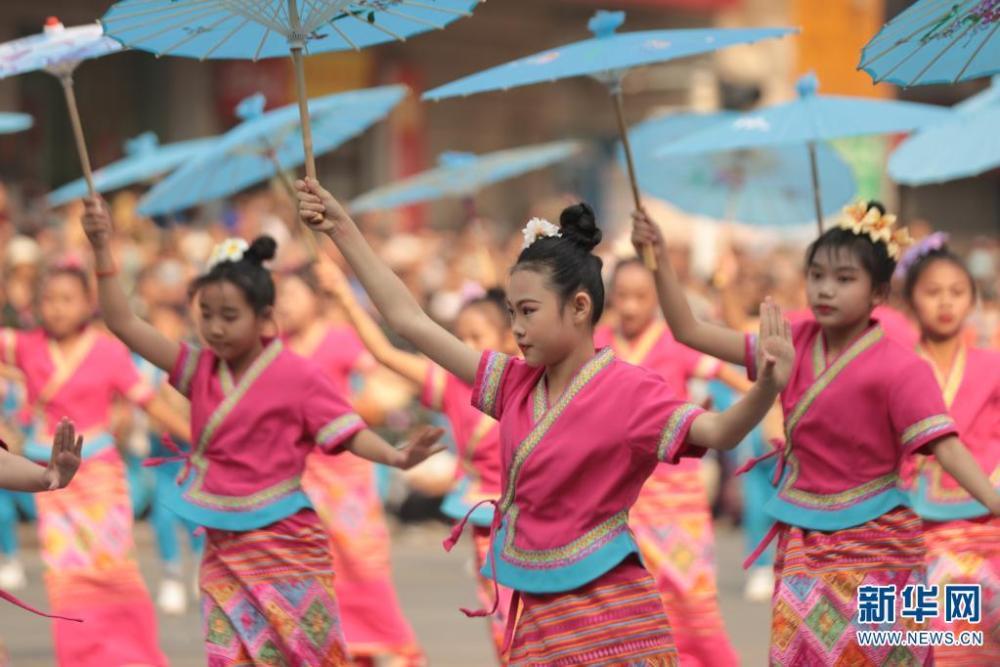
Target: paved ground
pixel 432 585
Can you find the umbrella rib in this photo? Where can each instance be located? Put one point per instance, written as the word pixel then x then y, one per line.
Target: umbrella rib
pixel 377 27
pixel 343 36
pixel 125 15
pixel 943 51
pixel 260 47
pixel 978 49
pixel 201 9
pixel 172 26
pixel 401 15
pixel 194 35
pixel 900 42
pixel 208 54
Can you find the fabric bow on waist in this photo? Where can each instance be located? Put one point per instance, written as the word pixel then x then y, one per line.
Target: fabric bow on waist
pixel 781 451
pixel 180 456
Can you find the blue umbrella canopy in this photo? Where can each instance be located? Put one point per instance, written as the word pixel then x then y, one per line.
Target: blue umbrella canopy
pixel 936 41
pixel 15 122
pixel 965 144
pixel 253 29
pixel 464 174
pixel 145 159
pixel 760 186
pixel 265 144
pixel 608 54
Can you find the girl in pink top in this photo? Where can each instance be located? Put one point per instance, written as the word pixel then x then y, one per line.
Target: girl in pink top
pixel 344 492
pixel 482 324
pixel 580 431
pixel 257 412
pixel 73 370
pixel 856 406
pixel 672 519
pixel 963 540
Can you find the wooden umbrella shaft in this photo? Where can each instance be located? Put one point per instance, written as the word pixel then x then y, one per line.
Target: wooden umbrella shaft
pixel 814 170
pixel 648 256
pixel 81 143
pixel 300 91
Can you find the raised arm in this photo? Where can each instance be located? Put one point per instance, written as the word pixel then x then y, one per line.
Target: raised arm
pixel 137 334
pixel 726 429
pixel 413 367
pixel 323 213
pixel 712 339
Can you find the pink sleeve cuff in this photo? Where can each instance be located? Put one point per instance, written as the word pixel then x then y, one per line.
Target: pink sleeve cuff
pixel 673 440
pixel 750 357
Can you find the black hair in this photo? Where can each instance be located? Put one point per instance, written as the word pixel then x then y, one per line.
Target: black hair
pixel 569 259
pixel 71 270
pixel 625 263
pixel 873 257
pixel 942 254
pixel 307 274
pixel 495 299
pixel 248 275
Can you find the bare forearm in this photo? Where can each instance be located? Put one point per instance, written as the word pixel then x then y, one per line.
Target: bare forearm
pixel 368 445
pixel 958 462
pixel 115 308
pixel 727 429
pixel 20 474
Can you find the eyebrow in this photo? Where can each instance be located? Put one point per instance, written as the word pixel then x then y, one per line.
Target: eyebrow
pixel 524 301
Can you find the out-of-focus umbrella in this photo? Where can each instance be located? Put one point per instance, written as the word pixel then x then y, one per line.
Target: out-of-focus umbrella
pixel 608 57
pixel 759 186
pixel 15 122
pixel 145 159
pixel 59 50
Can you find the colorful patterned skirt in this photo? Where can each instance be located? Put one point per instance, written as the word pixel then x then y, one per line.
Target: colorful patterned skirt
pixel 86 541
pixel 672 524
pixel 342 488
pixel 267 597
pixel 617 619
pixel 967 552
pixel 485 591
pixel 815 605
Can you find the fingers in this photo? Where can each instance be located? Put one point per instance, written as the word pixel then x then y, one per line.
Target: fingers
pixel 78 448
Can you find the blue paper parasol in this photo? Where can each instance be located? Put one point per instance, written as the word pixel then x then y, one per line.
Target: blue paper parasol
pixel 15 122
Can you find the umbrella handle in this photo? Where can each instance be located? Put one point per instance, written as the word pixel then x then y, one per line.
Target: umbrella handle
pixel 648 256
pixel 300 91
pixel 814 171
pixel 81 143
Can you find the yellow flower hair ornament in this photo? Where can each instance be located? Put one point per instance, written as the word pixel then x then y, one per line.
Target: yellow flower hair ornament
pixel 230 250
pixel 869 221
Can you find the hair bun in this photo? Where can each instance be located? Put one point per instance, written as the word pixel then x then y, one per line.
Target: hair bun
pixel 261 250
pixel 579 224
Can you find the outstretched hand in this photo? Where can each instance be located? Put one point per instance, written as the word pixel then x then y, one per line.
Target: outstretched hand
pixel 66 454
pixel 775 351
pixel 421 446
pixel 318 208
pixel 97 222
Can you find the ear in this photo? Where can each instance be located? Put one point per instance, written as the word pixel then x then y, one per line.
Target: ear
pixel 880 295
pixel 581 307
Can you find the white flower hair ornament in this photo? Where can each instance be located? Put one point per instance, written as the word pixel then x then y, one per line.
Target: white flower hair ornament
pixel 538 228
pixel 869 221
pixel 230 250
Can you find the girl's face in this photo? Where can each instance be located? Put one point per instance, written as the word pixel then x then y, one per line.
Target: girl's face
pixel 227 322
pixel 839 289
pixel 65 305
pixel 634 298
pixel 479 328
pixel 297 305
pixel 544 331
pixel 942 300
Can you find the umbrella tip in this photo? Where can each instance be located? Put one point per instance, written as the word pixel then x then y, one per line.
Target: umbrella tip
pixel 251 107
pixel 604 23
pixel 143 144
pixel 807 85
pixel 53 24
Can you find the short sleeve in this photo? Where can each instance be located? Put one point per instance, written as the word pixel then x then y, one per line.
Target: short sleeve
pixel 488 389
pixel 917 409
pixel 125 377
pixel 697 365
pixel 432 393
pixel 659 424
pixel 184 368
pixel 329 418
pixel 750 356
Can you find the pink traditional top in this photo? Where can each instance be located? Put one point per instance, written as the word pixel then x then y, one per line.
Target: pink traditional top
pixel 572 470
pixel 972 394
pixel 657 350
pixel 895 324
pixel 81 383
pixel 252 436
pixel 849 423
pixel 477 437
pixel 339 353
